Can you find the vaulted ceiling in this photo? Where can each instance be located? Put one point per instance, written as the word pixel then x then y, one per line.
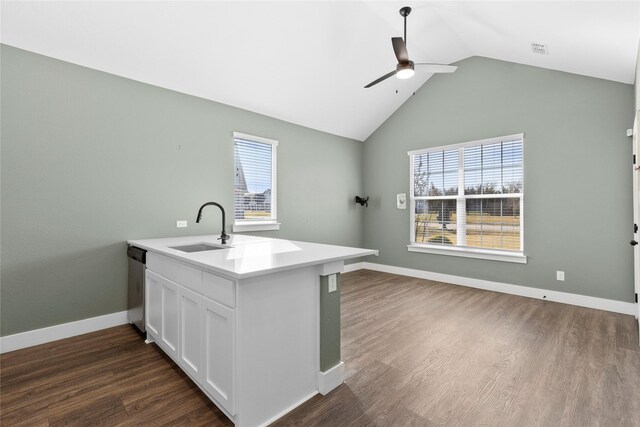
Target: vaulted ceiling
pixel 307 62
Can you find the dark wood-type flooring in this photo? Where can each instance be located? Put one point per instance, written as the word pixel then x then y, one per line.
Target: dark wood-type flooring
pixel 418 353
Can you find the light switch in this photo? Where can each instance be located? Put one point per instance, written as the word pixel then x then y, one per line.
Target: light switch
pixel 333 283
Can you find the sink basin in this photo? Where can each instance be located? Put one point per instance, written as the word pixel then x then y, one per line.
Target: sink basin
pixel 198 247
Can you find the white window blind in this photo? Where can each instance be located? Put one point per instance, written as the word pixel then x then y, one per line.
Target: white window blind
pixel 469 196
pixel 255 189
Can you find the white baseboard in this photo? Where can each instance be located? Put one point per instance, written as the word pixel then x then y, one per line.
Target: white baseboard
pixel 66 330
pixel 58 332
pixel 353 267
pixel 330 379
pixel 506 288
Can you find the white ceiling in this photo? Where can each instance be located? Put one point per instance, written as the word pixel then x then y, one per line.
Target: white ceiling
pixel 307 62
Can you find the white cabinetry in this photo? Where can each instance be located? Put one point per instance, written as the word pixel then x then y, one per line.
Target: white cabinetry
pixel 162 315
pixel 191 333
pixel 248 319
pixel 196 331
pixel 219 352
pixel 153 304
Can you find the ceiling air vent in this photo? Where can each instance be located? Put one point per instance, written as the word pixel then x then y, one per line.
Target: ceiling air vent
pixel 539 48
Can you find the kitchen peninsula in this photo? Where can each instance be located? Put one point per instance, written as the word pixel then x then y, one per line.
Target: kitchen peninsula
pixel 255 323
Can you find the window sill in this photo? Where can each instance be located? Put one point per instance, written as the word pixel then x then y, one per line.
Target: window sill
pixel 516 257
pixel 256 226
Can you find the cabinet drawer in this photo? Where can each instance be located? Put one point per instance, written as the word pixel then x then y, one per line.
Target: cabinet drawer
pixel 164 266
pixel 191 278
pixel 219 289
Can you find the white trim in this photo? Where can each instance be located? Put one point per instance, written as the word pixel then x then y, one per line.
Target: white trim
pixel 461 199
pixel 254 138
pixel 469 253
pixel 332 268
pixel 472 196
pixel 330 379
pixel 240 227
pixel 506 288
pixel 285 411
pixel 274 182
pixel 353 267
pixel 636 212
pixel 412 202
pixel 58 332
pixel 273 218
pixel 495 140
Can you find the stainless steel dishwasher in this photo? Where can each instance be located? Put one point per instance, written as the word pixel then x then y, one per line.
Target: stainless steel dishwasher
pixel 135 305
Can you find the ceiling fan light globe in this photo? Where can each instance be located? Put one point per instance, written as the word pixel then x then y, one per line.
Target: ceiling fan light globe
pixel 406 73
pixel 404 70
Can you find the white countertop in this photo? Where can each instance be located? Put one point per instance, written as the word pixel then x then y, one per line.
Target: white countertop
pixel 249 256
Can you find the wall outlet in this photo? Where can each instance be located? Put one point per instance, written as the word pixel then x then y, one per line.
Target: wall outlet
pixel 560 275
pixel 181 224
pixel 333 283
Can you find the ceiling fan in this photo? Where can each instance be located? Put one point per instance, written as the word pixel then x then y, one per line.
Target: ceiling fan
pixel 405 67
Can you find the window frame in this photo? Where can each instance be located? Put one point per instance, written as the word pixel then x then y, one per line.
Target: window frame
pixel 271 223
pixel 463 251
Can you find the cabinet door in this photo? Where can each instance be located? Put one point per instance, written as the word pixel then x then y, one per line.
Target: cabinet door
pixel 219 352
pixel 190 355
pixel 169 329
pixel 153 303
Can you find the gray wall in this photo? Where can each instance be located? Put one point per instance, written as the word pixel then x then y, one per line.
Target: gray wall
pixel 90 160
pixel 577 208
pixel 329 324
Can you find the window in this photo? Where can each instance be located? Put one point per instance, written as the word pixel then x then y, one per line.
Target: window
pixel 466 199
pixel 255 183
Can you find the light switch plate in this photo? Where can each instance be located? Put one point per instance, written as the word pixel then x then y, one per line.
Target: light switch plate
pixel 333 283
pixel 181 224
pixel 560 276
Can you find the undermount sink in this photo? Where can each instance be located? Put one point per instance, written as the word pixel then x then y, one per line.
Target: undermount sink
pixel 198 247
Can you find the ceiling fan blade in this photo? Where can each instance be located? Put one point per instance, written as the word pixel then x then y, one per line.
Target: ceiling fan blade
pixel 436 68
pixel 386 76
pixel 400 48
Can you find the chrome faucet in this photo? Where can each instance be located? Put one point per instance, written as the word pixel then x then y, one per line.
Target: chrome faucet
pixel 223 236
